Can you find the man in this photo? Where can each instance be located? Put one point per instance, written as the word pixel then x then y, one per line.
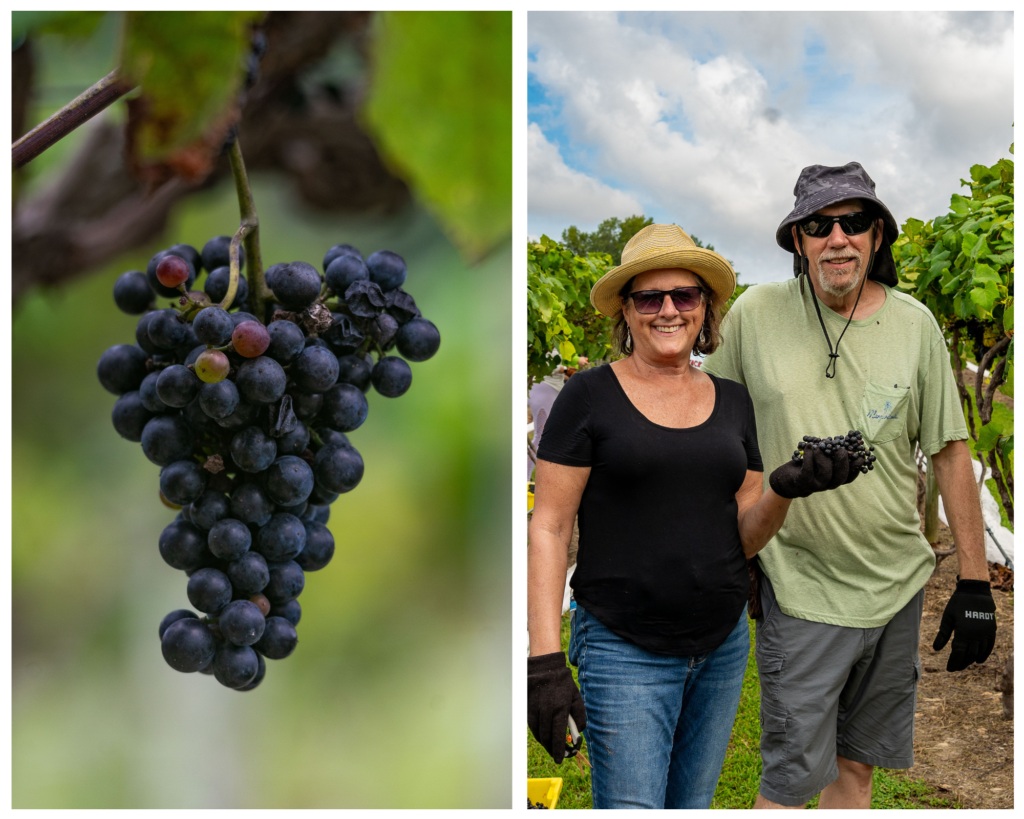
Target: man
pixel 833 350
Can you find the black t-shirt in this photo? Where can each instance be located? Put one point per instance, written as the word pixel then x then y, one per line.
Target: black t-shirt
pixel 660 561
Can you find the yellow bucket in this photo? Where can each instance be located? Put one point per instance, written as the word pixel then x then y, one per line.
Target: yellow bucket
pixel 544 791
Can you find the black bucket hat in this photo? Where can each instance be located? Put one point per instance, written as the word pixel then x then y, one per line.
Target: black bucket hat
pixel 820 186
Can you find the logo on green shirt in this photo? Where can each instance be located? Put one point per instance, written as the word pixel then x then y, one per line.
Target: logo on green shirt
pixel 884 415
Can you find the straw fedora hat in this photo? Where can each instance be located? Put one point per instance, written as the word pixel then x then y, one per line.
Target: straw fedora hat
pixel 661 246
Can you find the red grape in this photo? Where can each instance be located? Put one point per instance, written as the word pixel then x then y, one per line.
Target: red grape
pixel 212 366
pixel 261 601
pixel 250 339
pixel 172 271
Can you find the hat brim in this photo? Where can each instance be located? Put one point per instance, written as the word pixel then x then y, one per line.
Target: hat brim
pixel 716 272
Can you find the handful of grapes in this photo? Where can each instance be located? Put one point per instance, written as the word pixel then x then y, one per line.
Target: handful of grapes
pixel 852 443
pixel 819 464
pixel 246 415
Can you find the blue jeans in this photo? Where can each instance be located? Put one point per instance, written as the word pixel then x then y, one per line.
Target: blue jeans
pixel 657 726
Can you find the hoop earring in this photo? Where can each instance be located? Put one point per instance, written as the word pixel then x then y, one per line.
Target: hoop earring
pixel 703 339
pixel 629 341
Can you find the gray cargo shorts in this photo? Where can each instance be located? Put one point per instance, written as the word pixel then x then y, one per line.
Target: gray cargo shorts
pixel 832 690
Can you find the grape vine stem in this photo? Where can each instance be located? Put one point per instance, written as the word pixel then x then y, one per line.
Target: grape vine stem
pixel 249 232
pixel 81 109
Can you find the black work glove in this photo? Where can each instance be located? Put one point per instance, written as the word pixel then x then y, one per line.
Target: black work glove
pixel 551 696
pixel 970 616
pixel 798 479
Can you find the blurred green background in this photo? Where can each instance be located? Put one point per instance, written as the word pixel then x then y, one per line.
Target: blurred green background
pixel 399 693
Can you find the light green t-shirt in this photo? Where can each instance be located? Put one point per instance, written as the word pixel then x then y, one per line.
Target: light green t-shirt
pixel 853 556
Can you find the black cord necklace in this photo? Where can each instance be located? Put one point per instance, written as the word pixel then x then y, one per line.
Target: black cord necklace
pixel 805 267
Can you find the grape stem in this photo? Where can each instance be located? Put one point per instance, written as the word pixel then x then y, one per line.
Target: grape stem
pixel 80 110
pixel 249 231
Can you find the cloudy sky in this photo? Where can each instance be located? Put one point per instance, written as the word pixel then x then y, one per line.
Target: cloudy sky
pixel 704 119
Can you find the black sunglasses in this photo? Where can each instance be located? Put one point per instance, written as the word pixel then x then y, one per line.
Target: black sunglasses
pixel 851 223
pixel 651 301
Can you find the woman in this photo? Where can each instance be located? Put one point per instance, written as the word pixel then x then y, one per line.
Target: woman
pixel 661 462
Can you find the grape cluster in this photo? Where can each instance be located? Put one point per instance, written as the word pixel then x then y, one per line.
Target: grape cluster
pixel 531 805
pixel 852 442
pixel 247 417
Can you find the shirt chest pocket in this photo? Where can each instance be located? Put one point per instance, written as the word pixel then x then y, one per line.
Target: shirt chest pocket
pixel 883 412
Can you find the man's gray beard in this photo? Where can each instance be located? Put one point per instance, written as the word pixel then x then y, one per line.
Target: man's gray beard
pixel 826 282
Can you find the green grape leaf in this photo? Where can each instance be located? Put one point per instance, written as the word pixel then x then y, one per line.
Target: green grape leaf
pixel 1008 316
pixel 1007 447
pixel 984 299
pixel 74 24
pixel 983 273
pixel 440 106
pixel 988 435
pixel 190 66
pixel 567 351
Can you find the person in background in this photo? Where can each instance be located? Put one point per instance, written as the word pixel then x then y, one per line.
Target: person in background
pixel 662 463
pixel 842 584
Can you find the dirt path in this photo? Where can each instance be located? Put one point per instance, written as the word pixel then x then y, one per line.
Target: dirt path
pixel 962 744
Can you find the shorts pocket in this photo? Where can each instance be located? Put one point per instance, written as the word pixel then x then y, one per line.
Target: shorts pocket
pixel 883 412
pixel 769 671
pixel 774 743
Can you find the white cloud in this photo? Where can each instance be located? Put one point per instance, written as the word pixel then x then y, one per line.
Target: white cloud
pixel 560 196
pixel 707 118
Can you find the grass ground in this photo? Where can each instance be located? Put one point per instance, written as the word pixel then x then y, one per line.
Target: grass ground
pixel 741 772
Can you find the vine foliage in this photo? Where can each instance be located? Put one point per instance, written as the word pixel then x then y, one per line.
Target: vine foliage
pixel 561 323
pixel 960 265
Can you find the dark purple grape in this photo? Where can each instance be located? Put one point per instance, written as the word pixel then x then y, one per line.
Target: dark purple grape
pixel 188 645
pixel 209 590
pixel 167 438
pixel 174 617
pixel 290 611
pixel 213 326
pixel 242 622
pixel 286 341
pixel 142 333
pixel 279 639
pixel 338 468
pixel 340 250
pixel 305 406
pixel 217 253
pixel 281 539
pixel 219 400
pixel 288 481
pixel 183 546
pixel 166 329
pixel 344 407
pixel 183 481
pixel 287 581
pixel 261 380
pixel 391 376
pixel 315 370
pixel 355 370
pixel 344 271
pixel 235 666
pixel 210 508
pixel 387 269
pixel 319 548
pixel 229 539
pixel 130 416
pixel 132 293
pixel 147 393
pixel 122 368
pixel 177 386
pixel 294 442
pixel 216 287
pixel 260 674
pixel 297 285
pixel 250 504
pixel 249 573
pixel 253 450
pixel 418 339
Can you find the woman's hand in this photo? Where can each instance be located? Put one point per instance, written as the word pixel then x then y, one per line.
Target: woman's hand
pixel 551 697
pixel 824 465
